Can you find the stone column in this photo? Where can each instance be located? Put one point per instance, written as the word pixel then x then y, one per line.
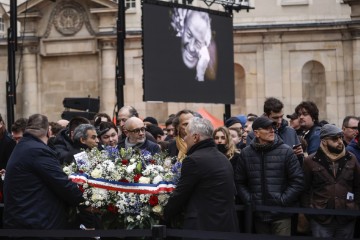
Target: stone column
pixel 30 84
pixel 107 83
pixel 355 32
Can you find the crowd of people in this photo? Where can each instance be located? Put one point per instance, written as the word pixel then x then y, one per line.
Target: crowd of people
pixel 251 160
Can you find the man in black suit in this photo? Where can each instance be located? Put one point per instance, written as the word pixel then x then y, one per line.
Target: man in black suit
pixel 206 187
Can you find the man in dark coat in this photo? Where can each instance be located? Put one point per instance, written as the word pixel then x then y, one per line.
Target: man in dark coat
pixel 332 181
pixel 36 190
pixel 206 187
pixel 7 145
pixel 63 143
pixel 269 173
pixel 308 114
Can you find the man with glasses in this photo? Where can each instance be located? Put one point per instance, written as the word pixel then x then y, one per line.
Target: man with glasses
pixel 124 114
pixel 332 181
pixel 134 129
pixel 350 128
pixel 269 173
pixel 308 114
pixel 273 109
pixel 354 145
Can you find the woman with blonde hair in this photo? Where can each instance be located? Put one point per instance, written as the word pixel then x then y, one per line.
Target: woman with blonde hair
pixel 225 144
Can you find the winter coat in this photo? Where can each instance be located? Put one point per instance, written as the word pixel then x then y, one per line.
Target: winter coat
pixel 312 138
pixel 62 145
pixel 205 190
pixel 36 190
pixel 324 191
pixel 271 176
pixel 354 148
pixel 147 145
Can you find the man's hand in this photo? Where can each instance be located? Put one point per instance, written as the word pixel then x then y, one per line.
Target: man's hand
pixel 177 21
pixel 204 59
pixel 298 150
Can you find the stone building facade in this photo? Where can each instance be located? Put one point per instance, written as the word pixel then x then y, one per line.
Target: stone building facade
pixel 290 49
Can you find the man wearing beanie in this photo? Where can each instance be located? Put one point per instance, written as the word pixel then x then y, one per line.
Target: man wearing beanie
pixel 269 173
pixel 332 181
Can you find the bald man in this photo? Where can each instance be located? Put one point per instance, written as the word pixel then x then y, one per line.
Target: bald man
pixel 134 129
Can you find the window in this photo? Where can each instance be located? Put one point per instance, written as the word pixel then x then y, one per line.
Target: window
pixel 294 2
pixel 2 25
pixel 130 4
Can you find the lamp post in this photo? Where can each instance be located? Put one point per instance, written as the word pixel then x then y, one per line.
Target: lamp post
pixel 12 47
pixel 120 67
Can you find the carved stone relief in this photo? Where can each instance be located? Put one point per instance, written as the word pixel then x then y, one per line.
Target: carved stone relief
pixel 68 17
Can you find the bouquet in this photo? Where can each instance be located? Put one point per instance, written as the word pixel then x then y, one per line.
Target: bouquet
pixel 129 186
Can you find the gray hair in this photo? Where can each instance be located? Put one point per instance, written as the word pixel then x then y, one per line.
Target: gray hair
pixel 201 126
pixel 81 132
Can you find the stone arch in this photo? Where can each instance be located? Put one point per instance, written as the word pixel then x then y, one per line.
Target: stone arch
pixel 240 90
pixel 314 86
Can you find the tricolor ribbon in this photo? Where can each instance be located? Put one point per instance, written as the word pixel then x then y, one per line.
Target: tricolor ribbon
pixel 142 188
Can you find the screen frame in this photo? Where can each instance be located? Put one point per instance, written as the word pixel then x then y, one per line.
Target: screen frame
pixel 190 7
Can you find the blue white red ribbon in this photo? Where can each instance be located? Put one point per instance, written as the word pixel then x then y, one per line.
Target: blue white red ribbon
pixel 142 188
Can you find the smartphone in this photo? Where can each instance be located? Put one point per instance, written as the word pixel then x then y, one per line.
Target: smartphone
pixel 296 146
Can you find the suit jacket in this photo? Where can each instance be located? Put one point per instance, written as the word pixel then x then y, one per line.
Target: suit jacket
pixel 205 190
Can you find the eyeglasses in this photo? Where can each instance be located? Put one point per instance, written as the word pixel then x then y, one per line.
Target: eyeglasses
pixel 353 128
pixel 137 130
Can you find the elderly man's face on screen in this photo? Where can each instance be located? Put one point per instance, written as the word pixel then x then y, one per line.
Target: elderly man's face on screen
pixel 196 28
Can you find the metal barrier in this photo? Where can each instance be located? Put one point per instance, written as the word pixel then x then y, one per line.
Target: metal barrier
pixel 159 232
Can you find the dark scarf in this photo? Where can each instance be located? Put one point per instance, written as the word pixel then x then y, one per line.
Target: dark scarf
pixel 262 147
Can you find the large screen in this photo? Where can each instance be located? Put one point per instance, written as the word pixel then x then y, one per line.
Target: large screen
pixel 188 54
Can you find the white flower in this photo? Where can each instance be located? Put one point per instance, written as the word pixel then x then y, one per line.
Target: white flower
pixel 129 219
pixel 138 217
pixel 99 194
pixel 157 179
pixel 144 180
pixel 132 160
pixel 96 173
pixel 160 168
pixel 131 168
pixel 167 163
pixel 157 209
pixel 163 198
pixel 67 170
